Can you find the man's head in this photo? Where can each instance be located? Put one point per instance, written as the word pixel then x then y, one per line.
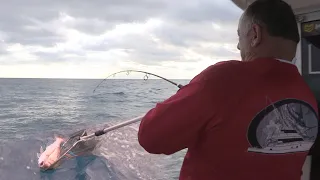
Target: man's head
pixel 268 28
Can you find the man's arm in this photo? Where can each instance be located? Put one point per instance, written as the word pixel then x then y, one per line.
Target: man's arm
pixel 176 123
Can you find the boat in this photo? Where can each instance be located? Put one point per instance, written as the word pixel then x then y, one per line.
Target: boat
pixel 307 59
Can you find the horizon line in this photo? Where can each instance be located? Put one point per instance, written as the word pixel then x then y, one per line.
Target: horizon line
pixel 90 78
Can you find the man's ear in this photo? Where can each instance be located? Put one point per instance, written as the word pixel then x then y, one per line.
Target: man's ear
pixel 256 35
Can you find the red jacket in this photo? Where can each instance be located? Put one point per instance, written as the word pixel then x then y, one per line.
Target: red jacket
pixel 239 120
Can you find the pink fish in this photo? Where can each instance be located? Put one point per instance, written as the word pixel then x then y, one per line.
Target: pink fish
pixel 51 154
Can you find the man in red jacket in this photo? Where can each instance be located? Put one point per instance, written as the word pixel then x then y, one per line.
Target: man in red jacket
pixel 250 119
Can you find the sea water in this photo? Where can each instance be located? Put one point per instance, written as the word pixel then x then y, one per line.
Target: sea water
pixel 33 110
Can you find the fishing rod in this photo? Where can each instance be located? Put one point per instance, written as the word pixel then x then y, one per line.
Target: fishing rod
pixel 81 136
pixel 146 77
pixel 131 121
pixel 104 131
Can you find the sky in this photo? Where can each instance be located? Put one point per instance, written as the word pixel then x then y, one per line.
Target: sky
pixel 92 39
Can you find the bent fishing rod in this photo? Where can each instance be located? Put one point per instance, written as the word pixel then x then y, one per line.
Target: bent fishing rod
pixel 146 77
pixel 106 130
pixel 131 121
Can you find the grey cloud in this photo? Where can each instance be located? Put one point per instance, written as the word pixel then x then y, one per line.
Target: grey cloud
pixel 117 11
pixel 64 56
pixel 49 57
pixel 186 24
pixel 154 56
pixel 43 38
pixel 141 49
pixel 216 52
pixel 204 10
pixel 187 34
pixel 149 52
pixel 3 50
pixel 14 20
pixel 93 17
pixel 93 26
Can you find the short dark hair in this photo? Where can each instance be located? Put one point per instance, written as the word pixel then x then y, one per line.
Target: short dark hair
pixel 276 16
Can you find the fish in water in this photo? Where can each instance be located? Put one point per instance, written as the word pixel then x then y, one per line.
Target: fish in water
pixel 51 154
pixel 65 148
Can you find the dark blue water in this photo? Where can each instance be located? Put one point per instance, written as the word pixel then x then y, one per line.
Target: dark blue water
pixel 33 110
